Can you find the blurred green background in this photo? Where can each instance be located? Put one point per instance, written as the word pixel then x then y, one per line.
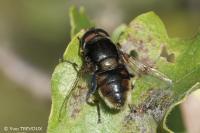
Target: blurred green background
pixel 34 34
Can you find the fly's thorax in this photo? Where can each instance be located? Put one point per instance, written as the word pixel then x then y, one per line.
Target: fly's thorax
pixel 100 50
pixel 108 64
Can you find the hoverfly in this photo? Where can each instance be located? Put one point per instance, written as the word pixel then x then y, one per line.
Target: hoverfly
pixel 111 69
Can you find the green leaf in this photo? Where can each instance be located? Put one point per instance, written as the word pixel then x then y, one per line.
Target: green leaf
pixel 176 58
pixel 62 82
pixel 118 32
pixel 78 20
pixel 151 98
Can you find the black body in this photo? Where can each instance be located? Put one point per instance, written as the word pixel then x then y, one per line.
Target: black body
pixel 99 49
pixel 110 76
pixel 114 86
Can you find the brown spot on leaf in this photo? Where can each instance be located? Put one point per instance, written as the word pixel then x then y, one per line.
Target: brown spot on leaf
pixel 77 100
pixel 170 57
pixel 154 106
pixel 156 103
pixel 134 122
pixel 140 48
pixel 137 26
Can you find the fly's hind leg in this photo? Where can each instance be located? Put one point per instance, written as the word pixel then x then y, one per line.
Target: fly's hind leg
pixel 91 99
pixel 98 112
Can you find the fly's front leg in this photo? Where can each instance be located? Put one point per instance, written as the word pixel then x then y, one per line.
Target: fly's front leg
pixel 76 67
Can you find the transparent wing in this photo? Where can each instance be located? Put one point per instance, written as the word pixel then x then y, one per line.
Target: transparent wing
pixel 152 76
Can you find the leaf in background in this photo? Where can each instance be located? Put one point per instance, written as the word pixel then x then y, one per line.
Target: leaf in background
pixel 78 20
pixel 146 35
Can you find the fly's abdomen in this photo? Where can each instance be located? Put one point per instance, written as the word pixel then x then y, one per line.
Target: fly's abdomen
pixel 115 93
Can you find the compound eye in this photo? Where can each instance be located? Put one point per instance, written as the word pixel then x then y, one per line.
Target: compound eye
pixel 90 34
pixel 89 37
pixel 102 32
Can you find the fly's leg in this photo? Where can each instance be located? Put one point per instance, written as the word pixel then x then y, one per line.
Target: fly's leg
pixel 90 98
pixel 98 112
pixel 73 64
